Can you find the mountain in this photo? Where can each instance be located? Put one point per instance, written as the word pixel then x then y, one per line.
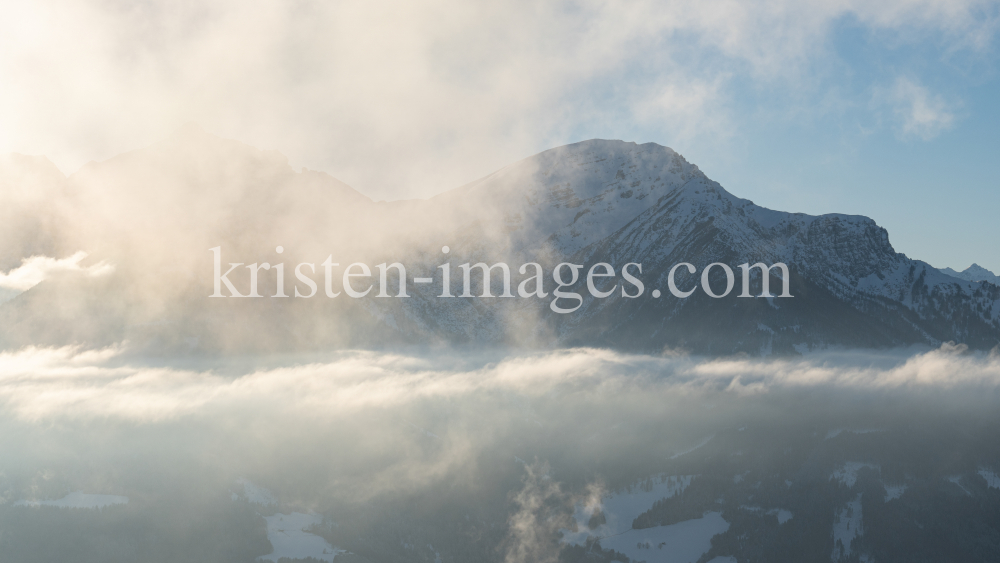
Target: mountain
pixel 622 202
pixel 155 212
pixel 974 272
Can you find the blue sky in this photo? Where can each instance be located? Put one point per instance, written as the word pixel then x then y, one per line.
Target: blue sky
pixel 838 140
pixel 881 108
pixel 937 193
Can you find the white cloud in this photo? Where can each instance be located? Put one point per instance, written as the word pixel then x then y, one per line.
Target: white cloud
pixel 378 422
pixel 45 383
pixel 444 91
pixel 920 113
pixel 679 102
pixel 37 269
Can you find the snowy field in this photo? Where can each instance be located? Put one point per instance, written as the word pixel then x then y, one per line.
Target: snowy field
pixel 683 542
pixel 288 537
pixel 847 525
pixel 848 473
pixel 893 492
pixel 621 508
pixel 992 479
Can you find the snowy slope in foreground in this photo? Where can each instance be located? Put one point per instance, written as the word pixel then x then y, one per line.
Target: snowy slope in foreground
pixel 683 542
pixel 288 537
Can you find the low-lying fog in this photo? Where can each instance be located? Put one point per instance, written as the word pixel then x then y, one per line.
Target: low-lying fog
pixel 451 456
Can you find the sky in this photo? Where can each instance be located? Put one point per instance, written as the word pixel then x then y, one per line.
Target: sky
pixel 889 109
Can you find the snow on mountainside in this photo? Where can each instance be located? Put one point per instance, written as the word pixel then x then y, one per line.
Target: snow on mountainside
pixel 579 195
pixel 622 202
pixel 155 212
pixel 973 273
pixel 586 192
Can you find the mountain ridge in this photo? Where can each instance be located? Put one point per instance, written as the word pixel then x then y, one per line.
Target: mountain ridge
pixel 975 272
pixel 154 212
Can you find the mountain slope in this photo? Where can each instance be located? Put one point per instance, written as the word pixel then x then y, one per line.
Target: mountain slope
pixel 155 213
pixel 974 272
pixel 621 202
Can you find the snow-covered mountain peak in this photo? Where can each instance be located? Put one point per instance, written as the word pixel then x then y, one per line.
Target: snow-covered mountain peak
pixel 973 273
pixel 577 194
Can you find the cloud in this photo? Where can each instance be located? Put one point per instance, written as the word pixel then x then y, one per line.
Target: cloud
pixel 920 113
pixel 44 383
pixel 542 510
pixel 362 433
pixel 676 101
pixel 445 91
pixel 36 269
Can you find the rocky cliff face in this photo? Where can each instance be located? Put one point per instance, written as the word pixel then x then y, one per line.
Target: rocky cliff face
pixel 595 201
